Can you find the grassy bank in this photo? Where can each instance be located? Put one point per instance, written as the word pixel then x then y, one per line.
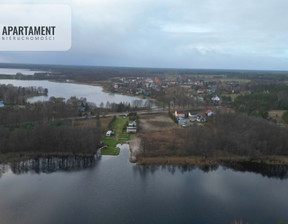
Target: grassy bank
pixel 120 136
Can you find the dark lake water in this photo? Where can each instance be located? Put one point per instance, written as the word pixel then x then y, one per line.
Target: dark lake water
pixel 112 190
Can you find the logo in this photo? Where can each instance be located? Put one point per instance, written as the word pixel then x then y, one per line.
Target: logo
pixel 35 27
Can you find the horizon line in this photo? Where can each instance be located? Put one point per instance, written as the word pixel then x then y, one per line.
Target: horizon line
pixel 2 64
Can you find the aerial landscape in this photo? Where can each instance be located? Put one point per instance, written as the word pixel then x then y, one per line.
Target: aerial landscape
pixel 166 117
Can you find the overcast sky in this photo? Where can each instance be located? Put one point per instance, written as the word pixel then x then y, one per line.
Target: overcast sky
pixel 221 34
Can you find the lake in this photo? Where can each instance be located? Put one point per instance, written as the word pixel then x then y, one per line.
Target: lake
pixel 107 189
pixel 14 71
pixel 93 94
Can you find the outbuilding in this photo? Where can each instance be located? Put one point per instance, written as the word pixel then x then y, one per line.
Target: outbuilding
pixel 131 130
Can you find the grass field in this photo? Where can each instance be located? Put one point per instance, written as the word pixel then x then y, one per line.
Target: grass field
pixel 155 122
pixel 119 137
pixel 233 96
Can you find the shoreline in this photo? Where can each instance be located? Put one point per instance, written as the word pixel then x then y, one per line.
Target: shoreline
pixel 136 157
pixel 105 90
pixel 11 157
pixel 200 161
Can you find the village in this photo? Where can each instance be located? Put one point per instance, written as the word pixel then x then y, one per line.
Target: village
pixel 197 88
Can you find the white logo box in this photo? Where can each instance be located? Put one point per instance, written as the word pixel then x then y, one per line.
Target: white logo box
pixel 35 27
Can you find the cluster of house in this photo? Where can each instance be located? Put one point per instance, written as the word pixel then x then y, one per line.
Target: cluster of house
pixel 138 85
pixel 146 85
pixel 141 85
pixel 131 129
pixel 181 115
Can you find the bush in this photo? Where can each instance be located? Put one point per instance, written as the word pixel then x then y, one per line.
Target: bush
pixel 172 116
pixel 285 117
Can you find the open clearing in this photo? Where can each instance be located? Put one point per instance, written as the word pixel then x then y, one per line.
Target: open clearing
pixel 92 122
pixel 155 122
pixel 277 115
pixel 120 136
pixel 233 96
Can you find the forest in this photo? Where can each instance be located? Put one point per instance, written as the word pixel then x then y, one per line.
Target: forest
pixel 40 128
pixel 18 95
pixel 268 97
pixel 50 138
pixel 55 108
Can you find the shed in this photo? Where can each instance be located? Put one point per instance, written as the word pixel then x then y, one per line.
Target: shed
pixel 131 130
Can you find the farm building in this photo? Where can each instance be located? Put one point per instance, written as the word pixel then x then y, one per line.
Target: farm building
pixel 131 129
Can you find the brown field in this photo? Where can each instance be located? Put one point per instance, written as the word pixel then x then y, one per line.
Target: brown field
pixel 200 161
pixel 277 115
pixel 92 122
pixel 155 122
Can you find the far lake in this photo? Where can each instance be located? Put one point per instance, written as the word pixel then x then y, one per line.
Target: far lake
pixel 113 190
pixel 93 94
pixel 14 71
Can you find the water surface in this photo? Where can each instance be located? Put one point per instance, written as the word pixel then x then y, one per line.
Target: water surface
pixel 116 191
pixel 93 94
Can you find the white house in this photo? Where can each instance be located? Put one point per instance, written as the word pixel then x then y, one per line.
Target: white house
pixel 216 99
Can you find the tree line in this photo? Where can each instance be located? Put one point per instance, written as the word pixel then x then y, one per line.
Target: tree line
pixel 275 97
pixel 55 108
pixel 10 94
pixel 50 138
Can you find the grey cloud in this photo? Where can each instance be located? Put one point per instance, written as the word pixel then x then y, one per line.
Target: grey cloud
pixel 246 34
